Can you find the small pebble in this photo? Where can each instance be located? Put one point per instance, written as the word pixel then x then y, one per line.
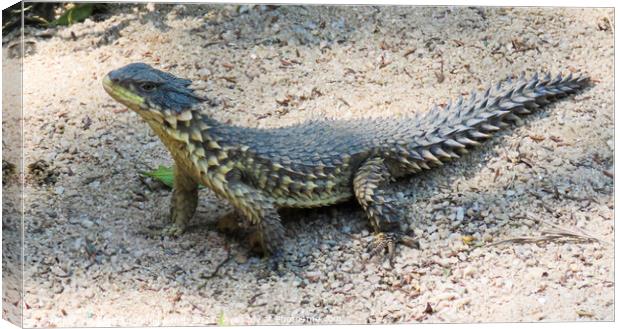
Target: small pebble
pixel 241 258
pixel 460 213
pixel 86 223
pixel 470 271
pixel 313 276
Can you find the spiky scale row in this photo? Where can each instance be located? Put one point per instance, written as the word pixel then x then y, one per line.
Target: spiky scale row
pixel 464 124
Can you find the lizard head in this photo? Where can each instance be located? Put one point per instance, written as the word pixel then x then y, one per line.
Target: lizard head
pixel 152 93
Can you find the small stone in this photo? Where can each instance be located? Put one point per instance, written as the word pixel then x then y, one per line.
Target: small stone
pixel 469 271
pixel 204 73
pixel 58 288
pixel 313 276
pixel 573 267
pixel 89 293
pixel 347 266
pixel 59 190
pixel 460 213
pixel 386 265
pixel 77 244
pixel 59 271
pixel 454 237
pixel 446 296
pixel 187 244
pixel 86 223
pixel 244 9
pixel 241 258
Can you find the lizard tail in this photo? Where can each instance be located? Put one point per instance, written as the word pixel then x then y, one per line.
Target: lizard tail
pixel 444 134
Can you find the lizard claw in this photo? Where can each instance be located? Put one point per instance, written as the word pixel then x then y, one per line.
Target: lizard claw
pixel 173 230
pixel 386 243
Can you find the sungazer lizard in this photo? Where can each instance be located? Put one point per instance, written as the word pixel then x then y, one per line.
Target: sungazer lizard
pixel 318 163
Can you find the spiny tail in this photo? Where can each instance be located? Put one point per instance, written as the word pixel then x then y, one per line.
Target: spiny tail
pixel 444 134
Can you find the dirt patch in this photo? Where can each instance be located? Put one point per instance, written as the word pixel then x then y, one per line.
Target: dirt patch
pixel 91 255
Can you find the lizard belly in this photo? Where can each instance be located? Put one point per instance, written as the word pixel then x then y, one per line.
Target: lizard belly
pixel 314 201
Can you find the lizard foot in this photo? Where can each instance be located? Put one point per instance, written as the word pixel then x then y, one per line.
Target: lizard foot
pixel 277 262
pixel 230 224
pixel 386 242
pixel 173 230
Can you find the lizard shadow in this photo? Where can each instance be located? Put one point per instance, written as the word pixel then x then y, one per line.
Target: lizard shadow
pixel 544 193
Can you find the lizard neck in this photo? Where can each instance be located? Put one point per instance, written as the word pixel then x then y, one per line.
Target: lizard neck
pixel 191 138
pixel 189 126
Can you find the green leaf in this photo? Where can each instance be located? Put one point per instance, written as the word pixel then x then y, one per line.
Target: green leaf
pixel 220 319
pixel 162 174
pixel 75 14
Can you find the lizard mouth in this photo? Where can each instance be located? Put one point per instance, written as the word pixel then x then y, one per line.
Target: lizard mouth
pixel 122 94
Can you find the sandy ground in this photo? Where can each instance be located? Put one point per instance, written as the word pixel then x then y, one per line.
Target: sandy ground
pixel 93 254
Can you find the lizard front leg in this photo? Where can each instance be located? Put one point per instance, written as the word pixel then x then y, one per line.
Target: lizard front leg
pixel 368 183
pixel 183 203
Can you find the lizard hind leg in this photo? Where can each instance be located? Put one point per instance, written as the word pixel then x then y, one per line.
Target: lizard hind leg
pixel 368 185
pixel 266 237
pixel 265 230
pixel 263 238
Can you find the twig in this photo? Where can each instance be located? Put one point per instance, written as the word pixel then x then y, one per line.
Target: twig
pixel 252 299
pixel 579 233
pixel 440 76
pixel 409 52
pixel 217 268
pixel 549 235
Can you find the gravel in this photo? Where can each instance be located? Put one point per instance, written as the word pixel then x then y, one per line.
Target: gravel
pixel 113 269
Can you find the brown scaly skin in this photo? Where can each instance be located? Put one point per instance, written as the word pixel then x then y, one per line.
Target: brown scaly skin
pixel 317 163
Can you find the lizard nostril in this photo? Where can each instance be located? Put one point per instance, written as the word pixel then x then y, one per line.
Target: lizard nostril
pixel 114 77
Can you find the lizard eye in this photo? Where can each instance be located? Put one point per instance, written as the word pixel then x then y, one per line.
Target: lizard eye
pixel 147 86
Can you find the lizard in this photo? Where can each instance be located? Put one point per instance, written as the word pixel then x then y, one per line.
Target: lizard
pixel 320 162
